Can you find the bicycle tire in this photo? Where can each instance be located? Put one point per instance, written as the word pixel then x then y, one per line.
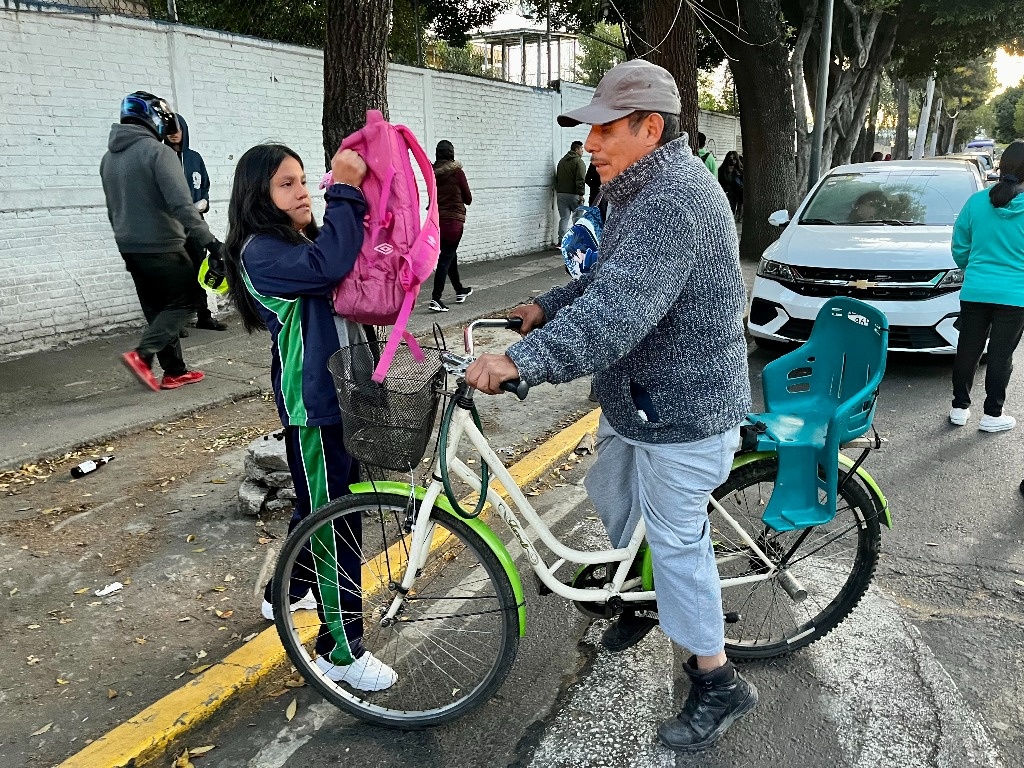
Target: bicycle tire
pixel 440 651
pixel 833 591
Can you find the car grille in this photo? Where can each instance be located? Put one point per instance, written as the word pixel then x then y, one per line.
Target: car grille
pixel 891 285
pixel 900 336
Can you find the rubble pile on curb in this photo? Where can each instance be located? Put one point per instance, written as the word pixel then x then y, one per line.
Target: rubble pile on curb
pixel 267 486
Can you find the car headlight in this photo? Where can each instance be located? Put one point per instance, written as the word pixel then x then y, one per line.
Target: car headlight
pixel 953 278
pixel 774 270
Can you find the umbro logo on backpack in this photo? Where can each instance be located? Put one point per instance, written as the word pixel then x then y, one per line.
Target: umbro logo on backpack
pixel 399 250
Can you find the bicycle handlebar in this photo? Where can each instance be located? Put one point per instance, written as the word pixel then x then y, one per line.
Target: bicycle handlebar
pixel 510 323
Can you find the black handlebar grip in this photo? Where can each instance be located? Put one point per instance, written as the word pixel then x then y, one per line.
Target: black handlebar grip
pixel 517 387
pixel 514 324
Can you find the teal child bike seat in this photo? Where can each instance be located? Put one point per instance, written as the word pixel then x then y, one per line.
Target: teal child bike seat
pixel 818 397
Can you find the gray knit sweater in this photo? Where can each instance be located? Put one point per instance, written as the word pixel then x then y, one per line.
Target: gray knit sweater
pixel 659 320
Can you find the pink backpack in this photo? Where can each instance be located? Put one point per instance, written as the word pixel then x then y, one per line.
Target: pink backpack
pixel 399 250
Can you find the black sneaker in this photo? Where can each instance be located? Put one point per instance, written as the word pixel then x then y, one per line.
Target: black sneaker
pixel 438 306
pixel 626 631
pixel 716 700
pixel 209 324
pixel 462 295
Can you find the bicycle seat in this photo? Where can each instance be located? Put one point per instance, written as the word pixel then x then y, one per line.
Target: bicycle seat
pixel 818 397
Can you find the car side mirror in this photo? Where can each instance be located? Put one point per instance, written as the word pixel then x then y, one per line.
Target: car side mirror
pixel 779 218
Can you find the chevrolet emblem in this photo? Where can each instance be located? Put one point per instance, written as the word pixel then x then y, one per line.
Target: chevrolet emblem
pixel 861 285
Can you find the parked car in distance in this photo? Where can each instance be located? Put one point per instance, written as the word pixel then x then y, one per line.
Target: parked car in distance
pixel 980 159
pixel 879 232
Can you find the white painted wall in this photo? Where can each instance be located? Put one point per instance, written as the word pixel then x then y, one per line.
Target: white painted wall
pixel 62 77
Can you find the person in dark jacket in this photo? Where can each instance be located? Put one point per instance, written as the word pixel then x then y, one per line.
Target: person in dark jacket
pixel 730 176
pixel 198 181
pixel 453 196
pixel 570 179
pixel 151 210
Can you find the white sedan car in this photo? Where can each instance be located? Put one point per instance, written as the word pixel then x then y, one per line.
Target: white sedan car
pixel 879 232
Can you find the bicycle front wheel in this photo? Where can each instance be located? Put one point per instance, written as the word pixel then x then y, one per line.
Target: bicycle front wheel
pixel 456 632
pixel 834 563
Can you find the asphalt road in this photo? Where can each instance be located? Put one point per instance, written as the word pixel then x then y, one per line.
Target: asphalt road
pixel 928 671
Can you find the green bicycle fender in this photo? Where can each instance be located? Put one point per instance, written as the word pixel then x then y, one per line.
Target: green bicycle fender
pixel 479 527
pixel 881 503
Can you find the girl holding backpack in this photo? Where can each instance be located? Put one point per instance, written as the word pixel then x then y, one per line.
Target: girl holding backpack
pixel 282 270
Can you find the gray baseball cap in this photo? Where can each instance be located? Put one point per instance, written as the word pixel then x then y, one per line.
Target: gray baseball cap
pixel 626 88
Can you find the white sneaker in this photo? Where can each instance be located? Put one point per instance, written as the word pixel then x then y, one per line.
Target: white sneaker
pixel 367 673
pixel 959 416
pixel 306 603
pixel 438 306
pixel 997 423
pixel 461 296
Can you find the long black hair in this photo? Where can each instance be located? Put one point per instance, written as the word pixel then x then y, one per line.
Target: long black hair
pixel 251 211
pixel 1011 175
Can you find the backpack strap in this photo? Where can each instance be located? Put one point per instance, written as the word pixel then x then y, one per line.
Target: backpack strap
pixel 399 333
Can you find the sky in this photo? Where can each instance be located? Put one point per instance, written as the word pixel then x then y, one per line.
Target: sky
pixel 1009 70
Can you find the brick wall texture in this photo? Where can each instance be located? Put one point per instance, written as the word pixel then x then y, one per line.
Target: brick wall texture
pixel 62 76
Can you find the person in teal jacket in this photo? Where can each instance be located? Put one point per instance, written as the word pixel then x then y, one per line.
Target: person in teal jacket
pixel 988 245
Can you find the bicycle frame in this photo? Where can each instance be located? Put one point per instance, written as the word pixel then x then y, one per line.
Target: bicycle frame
pixel 619 587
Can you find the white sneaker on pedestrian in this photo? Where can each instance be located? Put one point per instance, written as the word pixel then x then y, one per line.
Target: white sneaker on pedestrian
pixel 305 603
pixel 959 416
pixel 462 295
pixel 367 673
pixel 438 306
pixel 997 423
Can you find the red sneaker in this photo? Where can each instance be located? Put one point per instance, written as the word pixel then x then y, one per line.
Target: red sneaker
pixel 134 363
pixel 189 377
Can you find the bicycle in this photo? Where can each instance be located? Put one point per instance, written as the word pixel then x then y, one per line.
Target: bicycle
pixel 441 601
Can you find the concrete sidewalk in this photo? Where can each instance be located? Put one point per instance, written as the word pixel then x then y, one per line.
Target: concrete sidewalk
pixel 52 402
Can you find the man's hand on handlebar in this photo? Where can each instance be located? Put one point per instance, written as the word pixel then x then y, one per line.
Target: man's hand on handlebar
pixel 532 316
pixel 489 371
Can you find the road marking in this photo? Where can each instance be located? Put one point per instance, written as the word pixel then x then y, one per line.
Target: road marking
pixel 146 735
pixel 294 736
pixel 891 700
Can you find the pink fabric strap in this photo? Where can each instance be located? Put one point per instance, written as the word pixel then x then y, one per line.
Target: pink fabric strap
pixel 397 335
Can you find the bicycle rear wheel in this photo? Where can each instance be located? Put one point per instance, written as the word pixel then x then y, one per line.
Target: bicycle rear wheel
pixel 455 636
pixel 834 563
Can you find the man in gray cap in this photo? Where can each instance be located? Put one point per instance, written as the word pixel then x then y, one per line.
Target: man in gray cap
pixel 659 322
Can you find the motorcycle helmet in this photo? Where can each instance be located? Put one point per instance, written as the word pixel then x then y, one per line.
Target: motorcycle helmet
pixel 151 111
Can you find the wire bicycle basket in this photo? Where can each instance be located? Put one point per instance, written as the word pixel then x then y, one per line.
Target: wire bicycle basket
pixel 387 425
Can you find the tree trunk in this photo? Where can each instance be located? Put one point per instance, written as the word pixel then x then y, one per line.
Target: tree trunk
pixel 355 67
pixel 901 147
pixel 677 53
pixel 866 143
pixel 759 61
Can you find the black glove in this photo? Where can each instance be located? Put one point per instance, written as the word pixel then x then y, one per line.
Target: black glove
pixel 216 250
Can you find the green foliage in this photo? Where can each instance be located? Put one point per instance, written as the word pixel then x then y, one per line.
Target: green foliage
pixel 938 35
pixel 465 60
pixel 1005 108
pixel 1018 118
pixel 300 22
pixel 602 50
pixel 968 86
pixel 711 99
pixel 975 122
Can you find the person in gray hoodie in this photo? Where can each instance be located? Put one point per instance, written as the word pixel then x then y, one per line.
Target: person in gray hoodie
pixel 659 322
pixel 151 211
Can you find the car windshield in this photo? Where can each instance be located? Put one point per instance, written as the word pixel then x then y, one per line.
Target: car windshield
pixel 900 197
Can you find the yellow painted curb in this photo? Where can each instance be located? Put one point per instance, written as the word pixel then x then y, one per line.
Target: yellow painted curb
pixel 147 735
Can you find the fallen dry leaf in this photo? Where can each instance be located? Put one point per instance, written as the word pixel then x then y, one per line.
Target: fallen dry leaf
pixel 183 761
pixel 111 693
pixel 42 730
pixel 201 655
pixel 200 751
pixel 224 614
pixel 218 481
pixel 81 591
pixel 13 592
pixel 190 538
pixel 292 709
pixel 62 681
pixel 32 660
pixel 229 577
pixel 36 626
pixel 200 668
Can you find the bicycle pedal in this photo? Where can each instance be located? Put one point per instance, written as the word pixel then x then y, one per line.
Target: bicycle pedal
pixel 732 617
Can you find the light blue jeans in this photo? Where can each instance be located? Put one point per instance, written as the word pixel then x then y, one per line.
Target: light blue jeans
pixel 669 484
